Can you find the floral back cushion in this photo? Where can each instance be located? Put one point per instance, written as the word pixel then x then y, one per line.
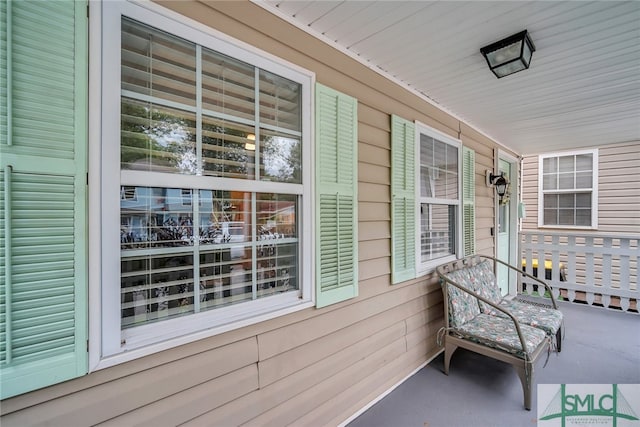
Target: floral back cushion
pixel 463 307
pixel 484 283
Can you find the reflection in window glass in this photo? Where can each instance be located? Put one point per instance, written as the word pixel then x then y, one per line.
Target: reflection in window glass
pixel 236 263
pixel 280 157
pixel 156 218
pixel 156 287
pixel 155 138
pixel 437 231
pixel 228 149
pixel 439 197
pixel 189 110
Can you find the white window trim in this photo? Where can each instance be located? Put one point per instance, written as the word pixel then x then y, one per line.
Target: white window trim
pixel 104 312
pixel 429 266
pixel 594 190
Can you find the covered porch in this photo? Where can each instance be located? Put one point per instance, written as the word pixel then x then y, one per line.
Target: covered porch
pixel 601 346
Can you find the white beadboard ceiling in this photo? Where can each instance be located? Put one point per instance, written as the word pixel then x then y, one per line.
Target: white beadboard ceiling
pixel 582 89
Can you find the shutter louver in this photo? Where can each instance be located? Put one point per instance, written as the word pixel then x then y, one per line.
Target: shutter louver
pixel 469 200
pixel 403 217
pixel 43 320
pixel 336 196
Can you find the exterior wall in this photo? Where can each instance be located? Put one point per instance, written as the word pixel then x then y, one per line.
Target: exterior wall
pixel 317 366
pixel 618 189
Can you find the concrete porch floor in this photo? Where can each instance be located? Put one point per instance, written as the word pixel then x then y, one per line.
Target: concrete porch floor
pixel 600 347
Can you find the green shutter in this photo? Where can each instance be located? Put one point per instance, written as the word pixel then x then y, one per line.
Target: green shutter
pixel 336 196
pixel 403 200
pixel 43 293
pixel 469 200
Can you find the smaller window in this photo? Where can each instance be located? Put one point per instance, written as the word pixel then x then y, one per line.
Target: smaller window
pixel 439 197
pixel 568 190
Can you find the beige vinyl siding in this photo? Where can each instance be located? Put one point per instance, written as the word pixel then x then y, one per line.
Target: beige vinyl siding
pixel 316 366
pixel 618 189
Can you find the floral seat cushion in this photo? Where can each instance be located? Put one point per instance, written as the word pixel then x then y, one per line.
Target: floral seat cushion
pixel 500 333
pixel 485 284
pixel 547 319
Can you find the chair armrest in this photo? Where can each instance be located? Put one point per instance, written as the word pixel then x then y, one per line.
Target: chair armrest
pixel 446 280
pixel 521 271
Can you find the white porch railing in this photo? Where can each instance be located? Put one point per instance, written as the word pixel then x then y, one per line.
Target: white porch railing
pixel 597 268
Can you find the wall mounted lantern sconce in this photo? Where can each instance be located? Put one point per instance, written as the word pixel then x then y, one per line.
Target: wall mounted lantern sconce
pixel 509 55
pixel 499 182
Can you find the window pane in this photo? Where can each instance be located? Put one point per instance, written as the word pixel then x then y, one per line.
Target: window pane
pixel 276 216
pixel 156 287
pixel 277 255
pixel 566 217
pixel 584 162
pixel 452 159
pixel 280 157
pixel 566 201
pixel 157 64
pixel 440 155
pixel 277 266
pixel 437 231
pixel 228 149
pixel 441 179
pixel 427 184
pixel 225 217
pixel 565 181
pixel 583 217
pixel 225 277
pixel 550 165
pixel 156 217
pixel 551 217
pixel 280 102
pixel 155 138
pixel 566 164
pixel 228 85
pixel 426 150
pixel 550 201
pixel 451 185
pixel 583 200
pixel 550 182
pixel 584 179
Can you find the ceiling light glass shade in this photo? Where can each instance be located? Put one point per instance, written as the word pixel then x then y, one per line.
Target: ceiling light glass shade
pixel 509 55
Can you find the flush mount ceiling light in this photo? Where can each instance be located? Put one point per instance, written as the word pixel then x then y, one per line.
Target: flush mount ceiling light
pixel 509 55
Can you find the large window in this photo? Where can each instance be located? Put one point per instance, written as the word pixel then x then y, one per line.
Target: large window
pixel 212 157
pixel 568 189
pixel 439 197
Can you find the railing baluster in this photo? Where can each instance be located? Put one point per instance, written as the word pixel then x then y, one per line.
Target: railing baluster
pixel 606 272
pixel 624 272
pixel 602 266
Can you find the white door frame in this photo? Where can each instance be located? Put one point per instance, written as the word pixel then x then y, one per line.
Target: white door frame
pixel 513 215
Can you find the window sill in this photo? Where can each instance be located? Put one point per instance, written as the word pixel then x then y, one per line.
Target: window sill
pixel 186 338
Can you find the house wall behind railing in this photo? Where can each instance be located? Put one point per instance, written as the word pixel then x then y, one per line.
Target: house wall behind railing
pixel 596 260
pixel 618 189
pixel 316 366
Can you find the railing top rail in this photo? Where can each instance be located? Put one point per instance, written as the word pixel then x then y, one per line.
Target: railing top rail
pixel 581 233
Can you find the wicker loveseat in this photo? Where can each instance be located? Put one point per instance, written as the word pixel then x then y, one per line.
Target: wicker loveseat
pixel 479 319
